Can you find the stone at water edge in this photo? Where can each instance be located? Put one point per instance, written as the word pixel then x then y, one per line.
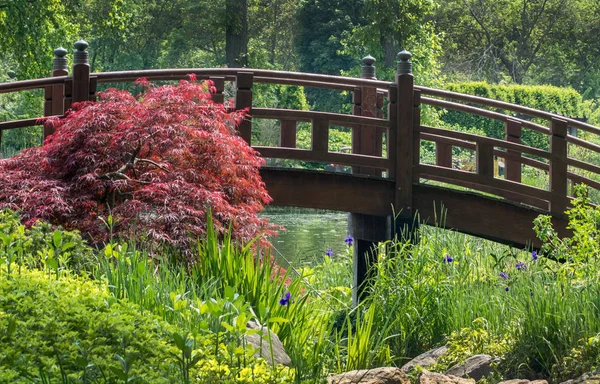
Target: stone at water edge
pixel 523 381
pixel 279 355
pixel 586 378
pixel 427 377
pixel 475 367
pixel 384 375
pixel 424 360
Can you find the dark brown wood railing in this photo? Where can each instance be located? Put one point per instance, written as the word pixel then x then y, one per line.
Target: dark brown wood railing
pixel 398 130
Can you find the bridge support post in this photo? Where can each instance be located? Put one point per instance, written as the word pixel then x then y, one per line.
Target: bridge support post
pixel 406 147
pixel 367 230
pixel 54 94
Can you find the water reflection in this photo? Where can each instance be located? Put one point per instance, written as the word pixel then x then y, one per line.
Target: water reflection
pixel 309 234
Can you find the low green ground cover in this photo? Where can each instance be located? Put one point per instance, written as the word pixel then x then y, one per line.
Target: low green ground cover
pixel 141 316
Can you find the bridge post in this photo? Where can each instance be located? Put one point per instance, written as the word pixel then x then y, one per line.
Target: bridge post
pixel 54 94
pixel 405 150
pixel 366 230
pixel 558 166
pixel 81 72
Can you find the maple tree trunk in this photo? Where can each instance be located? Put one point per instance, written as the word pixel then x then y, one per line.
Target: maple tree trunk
pixel 236 33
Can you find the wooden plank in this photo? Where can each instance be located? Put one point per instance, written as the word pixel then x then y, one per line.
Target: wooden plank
pixel 323 157
pixel 320 135
pixel 327 190
pixel 583 165
pixel 426 171
pixel 443 154
pixel 512 163
pixel 484 113
pixel 447 140
pixel 13 124
pixel 472 214
pixel 582 143
pixel 334 118
pixel 558 167
pixel 287 138
pixel 243 100
pixel 515 198
pixel 485 160
pixel 219 84
pixel 488 140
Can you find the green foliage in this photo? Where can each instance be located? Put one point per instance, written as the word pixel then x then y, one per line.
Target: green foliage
pixel 471 341
pixel 563 101
pixel 581 249
pixel 43 245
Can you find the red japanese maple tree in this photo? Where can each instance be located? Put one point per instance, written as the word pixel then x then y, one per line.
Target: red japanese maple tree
pixel 155 162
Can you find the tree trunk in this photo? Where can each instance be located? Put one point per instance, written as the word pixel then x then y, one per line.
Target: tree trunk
pixel 236 33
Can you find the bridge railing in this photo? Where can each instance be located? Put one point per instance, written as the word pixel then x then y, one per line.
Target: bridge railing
pixel 556 162
pixel 400 132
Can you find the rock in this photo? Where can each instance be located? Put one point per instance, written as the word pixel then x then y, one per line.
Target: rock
pixel 475 367
pixel 523 381
pixel 425 360
pixel 371 376
pixel 586 378
pixel 279 356
pixel 438 378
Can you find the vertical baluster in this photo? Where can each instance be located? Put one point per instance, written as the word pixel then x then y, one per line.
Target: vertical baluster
pixel 404 143
pixel 218 96
pixel 512 163
pixel 243 99
pixel 392 131
pixel 320 135
pixel 287 138
pixel 443 154
pixel 485 160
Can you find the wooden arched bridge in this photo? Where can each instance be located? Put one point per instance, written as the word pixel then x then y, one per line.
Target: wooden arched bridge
pixel 387 169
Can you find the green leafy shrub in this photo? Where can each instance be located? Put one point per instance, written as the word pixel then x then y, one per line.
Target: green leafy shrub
pixel 33 246
pixel 581 248
pixel 72 330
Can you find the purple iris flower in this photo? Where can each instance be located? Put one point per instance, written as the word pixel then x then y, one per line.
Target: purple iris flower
pixel 534 255
pixel 506 289
pixel 329 252
pixel 521 266
pixel 447 259
pixel 503 275
pixel 349 240
pixel 286 299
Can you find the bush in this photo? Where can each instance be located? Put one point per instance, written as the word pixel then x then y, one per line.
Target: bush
pixel 71 330
pixel 154 162
pixel 32 246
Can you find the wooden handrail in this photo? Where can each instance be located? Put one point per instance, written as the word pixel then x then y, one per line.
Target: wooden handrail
pixel 507 106
pixel 334 118
pixel 487 140
pixel 24 85
pixel 484 113
pixel 182 73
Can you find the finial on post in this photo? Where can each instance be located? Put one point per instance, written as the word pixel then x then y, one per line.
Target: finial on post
pixel 60 62
pixel 404 64
pixel 81 55
pixel 367 70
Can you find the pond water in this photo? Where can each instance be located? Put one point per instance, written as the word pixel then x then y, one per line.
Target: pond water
pixel 309 234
